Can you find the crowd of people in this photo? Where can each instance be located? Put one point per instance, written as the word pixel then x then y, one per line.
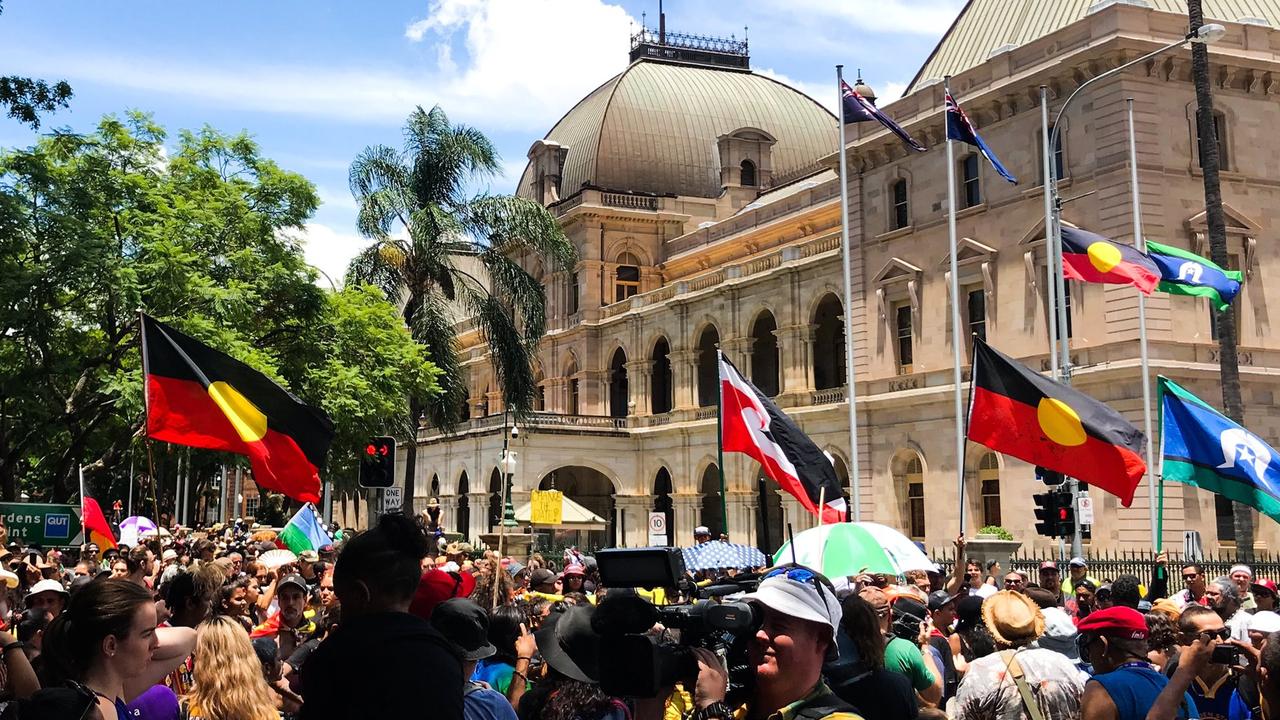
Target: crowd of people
pixel 390 623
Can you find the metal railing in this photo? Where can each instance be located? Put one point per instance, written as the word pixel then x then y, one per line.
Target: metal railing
pixel 652 36
pixel 1106 565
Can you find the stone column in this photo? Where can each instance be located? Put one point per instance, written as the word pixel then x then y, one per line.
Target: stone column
pixel 742 517
pixel 687 508
pixel 684 375
pixel 448 512
pixel 793 512
pixel 795 369
pixel 738 350
pixel 495 401
pixel 478 502
pixel 593 393
pixel 639 373
pixel 634 530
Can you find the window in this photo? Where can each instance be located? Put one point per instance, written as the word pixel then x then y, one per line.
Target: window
pixel 573 293
pixel 989 484
pixel 251 506
pixel 1232 263
pixel 1066 288
pixel 748 173
pixel 1059 158
pixel 913 479
pixel 1226 519
pixel 899 214
pixel 627 282
pixel 1066 302
pixel 976 317
pixel 969 182
pixel 902 333
pixel 1219 135
pixel 540 398
pixel 573 397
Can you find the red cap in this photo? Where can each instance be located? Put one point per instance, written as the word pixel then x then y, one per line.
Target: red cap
pixel 436 586
pixel 1265 584
pixel 1115 621
pixel 573 570
pixel 1048 565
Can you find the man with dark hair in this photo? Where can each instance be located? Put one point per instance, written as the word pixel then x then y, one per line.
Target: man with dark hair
pixel 1126 591
pixel 379 644
pixel 859 676
pixel 1213 689
pixel 1124 685
pixel 1194 578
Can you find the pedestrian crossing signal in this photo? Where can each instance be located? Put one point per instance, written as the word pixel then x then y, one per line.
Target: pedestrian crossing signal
pixel 378 463
pixel 1055 514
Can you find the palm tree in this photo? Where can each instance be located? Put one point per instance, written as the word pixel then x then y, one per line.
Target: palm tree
pixel 451 255
pixel 1210 164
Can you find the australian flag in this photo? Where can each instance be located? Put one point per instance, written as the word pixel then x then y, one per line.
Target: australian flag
pixel 859 109
pixel 959 128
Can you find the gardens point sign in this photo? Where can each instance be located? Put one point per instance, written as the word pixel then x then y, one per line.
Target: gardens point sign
pixel 42 524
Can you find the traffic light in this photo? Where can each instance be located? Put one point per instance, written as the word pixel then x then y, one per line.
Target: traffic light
pixel 378 463
pixel 1052 478
pixel 1066 516
pixel 1055 514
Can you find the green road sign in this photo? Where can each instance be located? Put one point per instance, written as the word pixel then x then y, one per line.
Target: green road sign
pixel 43 524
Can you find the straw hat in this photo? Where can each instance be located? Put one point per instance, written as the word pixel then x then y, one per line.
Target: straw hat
pixel 1013 618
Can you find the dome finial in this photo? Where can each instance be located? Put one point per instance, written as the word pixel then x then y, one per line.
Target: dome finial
pixel 864 89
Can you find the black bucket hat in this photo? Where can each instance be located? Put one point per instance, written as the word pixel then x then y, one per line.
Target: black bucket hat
pixel 569 645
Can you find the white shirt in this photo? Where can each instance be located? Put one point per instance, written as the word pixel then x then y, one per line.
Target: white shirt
pixel 983 591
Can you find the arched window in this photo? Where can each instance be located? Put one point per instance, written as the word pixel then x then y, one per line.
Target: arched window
pixel 464 408
pixel 662 502
pixel 1219 137
pixel 435 485
pixel 909 479
pixel 484 403
pixel 495 498
pixel 769 515
pixel 712 514
pixel 660 385
pixel 748 173
pixel 626 277
pixel 764 354
pixel 708 368
pixel 828 344
pixel 899 212
pixel 571 404
pixel 464 506
pixel 989 486
pixel 970 183
pixel 618 393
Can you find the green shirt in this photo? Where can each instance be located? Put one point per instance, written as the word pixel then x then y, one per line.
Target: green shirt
pixel 903 656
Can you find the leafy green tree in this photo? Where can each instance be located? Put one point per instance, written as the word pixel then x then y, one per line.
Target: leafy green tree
pixel 25 98
pixel 95 227
pixel 452 255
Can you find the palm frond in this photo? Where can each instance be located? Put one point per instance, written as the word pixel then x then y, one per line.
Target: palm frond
pixel 370 267
pixel 512 224
pixel 431 324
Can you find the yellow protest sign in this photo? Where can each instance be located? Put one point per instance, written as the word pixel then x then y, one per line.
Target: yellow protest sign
pixel 547 507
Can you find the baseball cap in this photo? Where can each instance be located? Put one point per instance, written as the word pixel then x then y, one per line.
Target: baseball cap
pixel 466 625
pixel 939 599
pixel 297 580
pixel 541 576
pixel 46 586
pixel 573 570
pixel 1078 562
pixel 1264 621
pixel 701 530
pixel 1048 565
pixel 309 556
pixel 799 592
pixel 436 586
pixel 1265 585
pixel 1115 621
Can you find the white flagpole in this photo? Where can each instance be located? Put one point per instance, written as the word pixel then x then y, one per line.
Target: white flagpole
pixel 845 252
pixel 1051 305
pixel 1141 244
pixel 84 530
pixel 956 338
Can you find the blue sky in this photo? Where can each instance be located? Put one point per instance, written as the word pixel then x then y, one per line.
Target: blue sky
pixel 315 82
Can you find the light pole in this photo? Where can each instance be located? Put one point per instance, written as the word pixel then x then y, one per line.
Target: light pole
pixel 1205 34
pixel 508 465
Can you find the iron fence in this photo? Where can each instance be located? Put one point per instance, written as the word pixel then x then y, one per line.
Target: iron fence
pixel 1107 565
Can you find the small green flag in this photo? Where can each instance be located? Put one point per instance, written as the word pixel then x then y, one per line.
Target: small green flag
pixel 1185 273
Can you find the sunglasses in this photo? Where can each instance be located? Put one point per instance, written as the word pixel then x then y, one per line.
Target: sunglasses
pixel 802 575
pixel 1190 576
pixel 1220 634
pixel 1014 581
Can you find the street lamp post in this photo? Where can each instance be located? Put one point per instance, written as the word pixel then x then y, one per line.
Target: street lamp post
pixel 1205 34
pixel 508 473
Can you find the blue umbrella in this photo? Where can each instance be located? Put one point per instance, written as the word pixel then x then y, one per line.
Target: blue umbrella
pixel 719 554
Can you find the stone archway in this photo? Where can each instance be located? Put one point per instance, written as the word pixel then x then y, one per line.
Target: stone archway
pixel 463 523
pixel 708 369
pixel 828 344
pixel 769 515
pixel 593 490
pixel 663 503
pixel 495 499
pixel 619 393
pixel 712 510
pixel 764 353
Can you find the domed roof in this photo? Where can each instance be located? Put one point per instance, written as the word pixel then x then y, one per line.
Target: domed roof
pixel 653 128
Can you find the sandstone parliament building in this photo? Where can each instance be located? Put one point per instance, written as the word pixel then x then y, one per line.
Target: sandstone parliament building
pixel 704 204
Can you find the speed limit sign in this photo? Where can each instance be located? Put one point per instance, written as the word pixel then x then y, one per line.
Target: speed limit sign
pixel 657 528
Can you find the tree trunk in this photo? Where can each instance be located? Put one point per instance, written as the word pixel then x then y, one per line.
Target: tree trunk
pixel 411 454
pixel 1210 163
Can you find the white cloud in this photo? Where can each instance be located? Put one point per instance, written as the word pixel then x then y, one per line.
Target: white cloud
pixel 329 250
pixel 920 17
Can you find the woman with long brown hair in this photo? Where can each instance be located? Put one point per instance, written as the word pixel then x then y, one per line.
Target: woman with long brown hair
pixel 228 677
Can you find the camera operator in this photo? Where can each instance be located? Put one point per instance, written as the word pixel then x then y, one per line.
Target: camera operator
pixel 801 617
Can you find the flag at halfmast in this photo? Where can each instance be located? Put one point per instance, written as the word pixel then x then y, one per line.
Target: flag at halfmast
pixel 959 128
pixel 1202 447
pixel 752 425
pixel 1185 273
pixel 859 109
pixel 200 397
pixel 1019 412
pixel 1092 258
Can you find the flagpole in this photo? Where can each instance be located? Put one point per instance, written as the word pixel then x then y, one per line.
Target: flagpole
pixel 724 499
pixel 1141 244
pixel 954 289
pixel 1051 300
pixel 84 529
pixel 845 252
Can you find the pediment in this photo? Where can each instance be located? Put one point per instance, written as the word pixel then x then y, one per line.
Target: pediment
pixel 1237 222
pixel 969 250
pixel 1036 233
pixel 897 269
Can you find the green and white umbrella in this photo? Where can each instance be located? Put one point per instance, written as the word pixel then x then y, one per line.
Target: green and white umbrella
pixel 845 549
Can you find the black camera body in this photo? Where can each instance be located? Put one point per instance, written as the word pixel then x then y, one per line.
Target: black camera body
pixel 636 662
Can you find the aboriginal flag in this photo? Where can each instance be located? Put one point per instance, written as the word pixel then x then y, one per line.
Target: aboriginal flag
pixel 1019 412
pixel 203 398
pixel 1092 258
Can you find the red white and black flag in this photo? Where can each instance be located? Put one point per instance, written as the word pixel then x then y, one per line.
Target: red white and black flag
pixel 752 425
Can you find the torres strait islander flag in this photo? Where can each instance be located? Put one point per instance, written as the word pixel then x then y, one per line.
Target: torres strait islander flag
pixel 1019 412
pixel 752 425
pixel 200 397
pixel 1092 258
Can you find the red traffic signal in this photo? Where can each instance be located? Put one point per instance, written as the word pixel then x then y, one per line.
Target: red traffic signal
pixel 370 450
pixel 378 465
